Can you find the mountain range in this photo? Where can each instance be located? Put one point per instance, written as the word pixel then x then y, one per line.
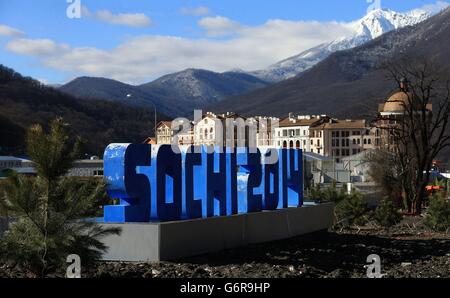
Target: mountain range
pixel 25 101
pixel 175 94
pixel 349 82
pixel 178 94
pixel 374 24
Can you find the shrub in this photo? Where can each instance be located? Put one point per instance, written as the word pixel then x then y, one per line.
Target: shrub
pixel 352 211
pixel 386 214
pixel 2 207
pixel 330 194
pixel 316 193
pixel 438 213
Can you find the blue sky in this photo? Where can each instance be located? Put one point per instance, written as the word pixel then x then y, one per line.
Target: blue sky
pixel 137 41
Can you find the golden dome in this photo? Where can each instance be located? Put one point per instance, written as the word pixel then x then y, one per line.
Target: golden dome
pixel 397 102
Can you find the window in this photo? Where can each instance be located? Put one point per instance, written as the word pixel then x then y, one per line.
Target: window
pixel 354 141
pixel 337 142
pixel 354 151
pixel 369 141
pixel 359 141
pixel 365 141
pixel 285 132
pixel 297 132
pixel 98 173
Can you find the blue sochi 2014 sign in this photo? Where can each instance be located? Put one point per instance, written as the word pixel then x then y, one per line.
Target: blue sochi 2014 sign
pixel 158 183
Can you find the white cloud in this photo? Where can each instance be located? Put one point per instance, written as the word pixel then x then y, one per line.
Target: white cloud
pixel 36 47
pixel 195 11
pixel 219 26
pixel 144 58
pixel 9 31
pixel 126 19
pixel 436 7
pixel 147 57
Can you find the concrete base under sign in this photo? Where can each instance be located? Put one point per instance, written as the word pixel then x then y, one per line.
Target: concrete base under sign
pixel 149 242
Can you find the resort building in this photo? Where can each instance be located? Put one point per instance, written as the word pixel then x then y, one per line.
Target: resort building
pixel 342 138
pixel 265 136
pixel 87 168
pixel 294 132
pixel 206 129
pixel 164 133
pixel 392 112
pixel 227 129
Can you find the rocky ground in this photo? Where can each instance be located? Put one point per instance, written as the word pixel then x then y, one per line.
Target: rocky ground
pixel 405 251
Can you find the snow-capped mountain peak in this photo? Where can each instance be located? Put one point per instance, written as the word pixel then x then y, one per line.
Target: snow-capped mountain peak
pixel 380 21
pixel 376 23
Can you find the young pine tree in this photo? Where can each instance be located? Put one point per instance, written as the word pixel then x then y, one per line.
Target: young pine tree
pixel 48 210
pixel 352 211
pixel 386 214
pixel 437 217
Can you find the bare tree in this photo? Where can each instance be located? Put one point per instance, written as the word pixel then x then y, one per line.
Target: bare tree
pixel 384 171
pixel 420 132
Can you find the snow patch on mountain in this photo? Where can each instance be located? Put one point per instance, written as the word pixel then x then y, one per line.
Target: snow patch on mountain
pixel 185 80
pixel 374 24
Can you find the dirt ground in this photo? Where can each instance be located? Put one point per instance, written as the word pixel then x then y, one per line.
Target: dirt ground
pixel 405 251
pixel 328 255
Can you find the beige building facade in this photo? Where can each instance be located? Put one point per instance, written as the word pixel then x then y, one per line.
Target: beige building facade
pixel 342 138
pixel 294 132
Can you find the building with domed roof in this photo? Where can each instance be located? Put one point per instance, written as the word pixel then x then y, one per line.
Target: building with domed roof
pixel 396 104
pixel 391 114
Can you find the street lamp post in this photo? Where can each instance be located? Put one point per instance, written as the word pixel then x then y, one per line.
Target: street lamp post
pixel 154 109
